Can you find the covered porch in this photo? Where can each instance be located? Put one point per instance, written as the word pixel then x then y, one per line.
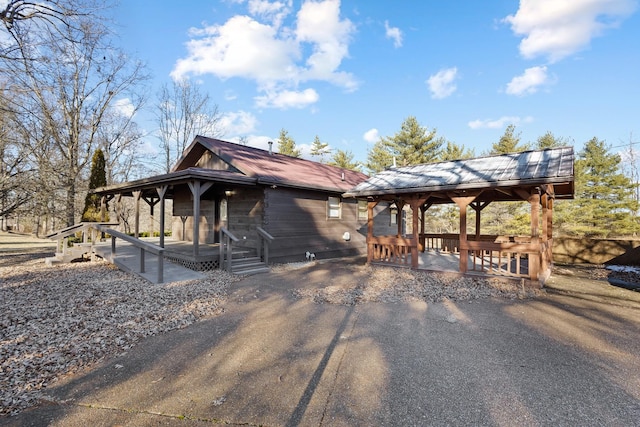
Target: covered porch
pixel 536 178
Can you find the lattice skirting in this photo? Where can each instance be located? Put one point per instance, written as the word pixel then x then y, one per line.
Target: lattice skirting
pixel 204 265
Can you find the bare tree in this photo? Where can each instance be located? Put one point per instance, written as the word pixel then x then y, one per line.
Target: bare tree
pixel 64 96
pixel 20 17
pixel 183 112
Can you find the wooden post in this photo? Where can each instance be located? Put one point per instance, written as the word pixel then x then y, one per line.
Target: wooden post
pixel 195 191
pixel 415 210
pixel 162 190
pixel 423 211
pixel 103 208
pixel 136 196
pixel 534 260
pixel 370 206
pixel 463 202
pixel 400 206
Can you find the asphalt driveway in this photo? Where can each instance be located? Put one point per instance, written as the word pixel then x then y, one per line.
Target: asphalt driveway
pixel 569 358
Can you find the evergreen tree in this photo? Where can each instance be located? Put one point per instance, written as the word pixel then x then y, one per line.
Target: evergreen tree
pixel 413 144
pixel 379 158
pixel 548 140
pixel 508 142
pixel 604 204
pixel 453 151
pixel 344 159
pixel 97 178
pixel 286 144
pixel 320 149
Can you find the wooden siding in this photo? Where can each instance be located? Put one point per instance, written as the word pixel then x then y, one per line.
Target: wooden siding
pixel 208 160
pixel 298 221
pixel 183 208
pixel 245 209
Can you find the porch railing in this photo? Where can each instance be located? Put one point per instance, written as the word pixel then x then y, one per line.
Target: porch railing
pixel 227 239
pixel 400 251
pixel 517 256
pixel 513 256
pixel 143 247
pixel 264 240
pixel 88 231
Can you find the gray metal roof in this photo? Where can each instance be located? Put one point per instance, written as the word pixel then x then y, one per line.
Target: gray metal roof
pixel 549 166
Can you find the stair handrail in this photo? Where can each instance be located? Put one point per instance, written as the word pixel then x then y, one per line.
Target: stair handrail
pixel 263 245
pixel 61 236
pixel 226 247
pixel 142 245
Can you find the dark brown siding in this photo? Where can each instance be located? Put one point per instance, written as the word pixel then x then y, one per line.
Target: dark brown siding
pixel 298 221
pixel 245 211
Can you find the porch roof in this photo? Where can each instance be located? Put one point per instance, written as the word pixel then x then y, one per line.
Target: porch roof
pixel 498 173
pixel 173 178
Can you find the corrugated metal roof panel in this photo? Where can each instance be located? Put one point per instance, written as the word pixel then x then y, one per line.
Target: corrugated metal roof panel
pixel 539 166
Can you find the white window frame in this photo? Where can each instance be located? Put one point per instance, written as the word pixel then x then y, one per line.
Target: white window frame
pixel 363 210
pixel 393 214
pixel 334 207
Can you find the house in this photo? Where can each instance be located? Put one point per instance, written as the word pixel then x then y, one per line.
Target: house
pixel 249 193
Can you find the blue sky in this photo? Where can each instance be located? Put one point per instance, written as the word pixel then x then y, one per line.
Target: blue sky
pixel 351 71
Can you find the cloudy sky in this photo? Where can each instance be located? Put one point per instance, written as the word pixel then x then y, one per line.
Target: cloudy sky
pixel 351 71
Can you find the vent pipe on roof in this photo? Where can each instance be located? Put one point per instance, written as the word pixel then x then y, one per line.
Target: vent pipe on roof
pixel 270 147
pixel 343 176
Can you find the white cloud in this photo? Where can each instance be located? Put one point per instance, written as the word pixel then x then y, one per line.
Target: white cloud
pixel 237 123
pixel 274 12
pixel 442 83
pixel 320 25
pixel 285 99
pixel 559 28
pixel 272 55
pixel 528 82
pixel 499 123
pixel 371 136
pixel 124 107
pixel 393 33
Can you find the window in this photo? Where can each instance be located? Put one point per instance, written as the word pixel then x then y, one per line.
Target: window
pixel 363 212
pixel 394 214
pixel 223 210
pixel 334 208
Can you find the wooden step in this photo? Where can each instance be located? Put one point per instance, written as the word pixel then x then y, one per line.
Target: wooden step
pixel 248 266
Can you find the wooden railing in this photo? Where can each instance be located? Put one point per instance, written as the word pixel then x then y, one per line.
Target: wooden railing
pixel 143 246
pixel 264 239
pixel 227 239
pixel 89 231
pixel 400 251
pixel 512 256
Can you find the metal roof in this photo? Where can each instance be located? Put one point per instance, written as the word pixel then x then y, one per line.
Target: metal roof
pixel 273 168
pixel 246 166
pixel 529 168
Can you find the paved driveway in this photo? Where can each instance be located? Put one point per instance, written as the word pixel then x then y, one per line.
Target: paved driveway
pixel 570 358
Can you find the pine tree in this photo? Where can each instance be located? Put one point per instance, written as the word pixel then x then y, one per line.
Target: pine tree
pixel 413 144
pixel 548 140
pixel 508 142
pixel 320 149
pixel 97 178
pixel 379 158
pixel 453 151
pixel 286 145
pixel 344 159
pixel 604 204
